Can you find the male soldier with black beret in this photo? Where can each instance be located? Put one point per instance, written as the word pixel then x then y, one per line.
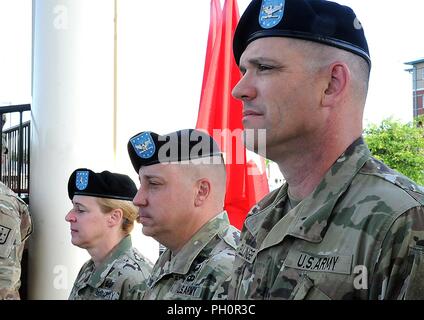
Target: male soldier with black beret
pixel 344 226
pixel 181 200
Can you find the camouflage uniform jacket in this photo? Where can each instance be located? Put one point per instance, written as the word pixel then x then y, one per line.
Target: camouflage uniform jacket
pixel 359 235
pixel 200 267
pixel 15 227
pixel 124 268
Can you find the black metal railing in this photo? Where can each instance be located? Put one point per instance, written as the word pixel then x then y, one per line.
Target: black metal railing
pixel 15 165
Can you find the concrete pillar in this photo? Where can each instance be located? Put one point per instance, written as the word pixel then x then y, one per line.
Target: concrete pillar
pixel 72 126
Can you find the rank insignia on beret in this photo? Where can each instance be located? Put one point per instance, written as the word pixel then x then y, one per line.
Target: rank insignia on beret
pixel 144 145
pixel 272 11
pixel 81 180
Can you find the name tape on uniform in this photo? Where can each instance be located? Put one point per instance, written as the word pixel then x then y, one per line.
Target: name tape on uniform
pixel 319 263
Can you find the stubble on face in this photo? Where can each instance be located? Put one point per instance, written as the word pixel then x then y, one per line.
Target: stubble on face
pixel 284 93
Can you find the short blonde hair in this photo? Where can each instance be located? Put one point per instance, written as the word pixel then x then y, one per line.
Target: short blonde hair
pixel 130 212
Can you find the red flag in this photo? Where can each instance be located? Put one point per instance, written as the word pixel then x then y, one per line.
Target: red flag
pixel 220 114
pixel 214 40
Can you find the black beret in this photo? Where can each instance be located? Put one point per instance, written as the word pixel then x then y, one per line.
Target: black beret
pixel 147 148
pixel 314 20
pixel 103 185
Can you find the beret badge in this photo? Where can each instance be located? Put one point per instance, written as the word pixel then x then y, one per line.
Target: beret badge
pixel 143 145
pixel 271 13
pixel 81 180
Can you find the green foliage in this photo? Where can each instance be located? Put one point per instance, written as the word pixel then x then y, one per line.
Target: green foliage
pixel 400 146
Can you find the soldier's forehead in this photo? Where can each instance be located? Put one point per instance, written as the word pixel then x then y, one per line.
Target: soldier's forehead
pixel 82 200
pixel 159 169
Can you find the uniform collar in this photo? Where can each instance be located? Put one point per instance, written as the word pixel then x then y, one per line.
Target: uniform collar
pixel 99 274
pixel 310 217
pixel 182 261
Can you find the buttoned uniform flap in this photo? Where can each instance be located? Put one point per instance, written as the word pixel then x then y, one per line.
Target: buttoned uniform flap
pixel 9 231
pixel 306 290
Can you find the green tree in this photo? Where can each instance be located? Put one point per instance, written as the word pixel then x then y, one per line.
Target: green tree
pixel 400 146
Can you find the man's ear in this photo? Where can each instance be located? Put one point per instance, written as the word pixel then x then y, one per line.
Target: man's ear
pixel 115 218
pixel 203 192
pixel 338 80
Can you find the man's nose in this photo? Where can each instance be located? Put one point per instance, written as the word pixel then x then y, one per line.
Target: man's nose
pixel 244 89
pixel 140 199
pixel 70 217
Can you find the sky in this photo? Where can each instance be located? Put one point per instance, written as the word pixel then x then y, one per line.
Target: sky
pixel 15 54
pixel 394 30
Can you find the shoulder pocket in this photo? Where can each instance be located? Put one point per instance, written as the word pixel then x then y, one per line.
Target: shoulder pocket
pixel 8 233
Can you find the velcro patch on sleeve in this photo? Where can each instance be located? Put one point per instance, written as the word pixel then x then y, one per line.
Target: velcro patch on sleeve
pixel 8 232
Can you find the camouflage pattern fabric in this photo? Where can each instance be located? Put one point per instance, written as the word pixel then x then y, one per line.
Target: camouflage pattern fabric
pixel 15 227
pixel 359 235
pixel 123 269
pixel 200 267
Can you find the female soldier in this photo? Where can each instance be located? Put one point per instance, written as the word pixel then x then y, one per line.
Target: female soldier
pixel 101 220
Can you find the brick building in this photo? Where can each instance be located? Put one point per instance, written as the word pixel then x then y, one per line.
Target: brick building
pixel 417 71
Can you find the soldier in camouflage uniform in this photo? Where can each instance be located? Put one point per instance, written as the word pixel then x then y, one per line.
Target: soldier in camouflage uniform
pixel 15 228
pixel 180 200
pixel 101 220
pixel 344 225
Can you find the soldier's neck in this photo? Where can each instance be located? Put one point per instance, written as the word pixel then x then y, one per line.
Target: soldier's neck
pixel 100 252
pixel 305 168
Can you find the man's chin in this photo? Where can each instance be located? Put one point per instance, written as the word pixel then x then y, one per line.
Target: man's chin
pixel 147 231
pixel 77 243
pixel 255 140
